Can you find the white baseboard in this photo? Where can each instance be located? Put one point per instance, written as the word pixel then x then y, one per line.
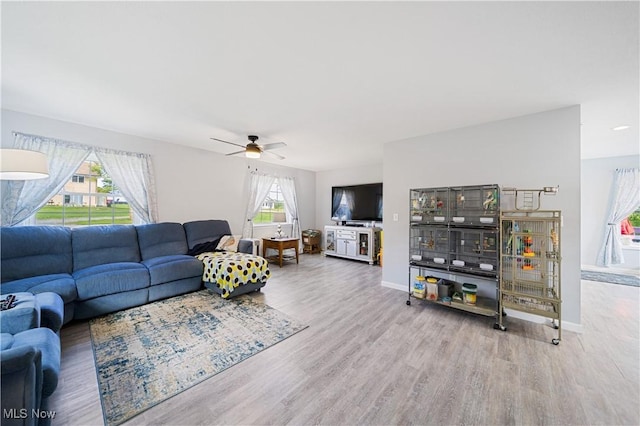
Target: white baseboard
pixel 569 326
pixel 566 325
pixel 395 286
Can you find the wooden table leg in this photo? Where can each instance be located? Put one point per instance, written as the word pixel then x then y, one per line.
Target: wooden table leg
pixel 280 250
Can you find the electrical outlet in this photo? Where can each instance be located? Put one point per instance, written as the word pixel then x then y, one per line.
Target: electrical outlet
pixel 395 217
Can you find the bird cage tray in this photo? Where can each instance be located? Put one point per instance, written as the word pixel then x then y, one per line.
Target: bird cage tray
pixel 533 305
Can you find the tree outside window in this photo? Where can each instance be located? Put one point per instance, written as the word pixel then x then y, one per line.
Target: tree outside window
pixel 634 219
pixel 630 228
pixel 272 210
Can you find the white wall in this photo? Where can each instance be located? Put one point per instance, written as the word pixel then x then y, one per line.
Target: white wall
pixel 327 179
pixel 525 152
pixel 597 181
pixel 531 151
pixel 192 184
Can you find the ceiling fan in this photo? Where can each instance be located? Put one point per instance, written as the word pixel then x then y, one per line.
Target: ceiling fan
pixel 253 150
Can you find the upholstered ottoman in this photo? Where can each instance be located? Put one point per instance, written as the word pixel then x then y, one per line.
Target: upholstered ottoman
pixel 231 274
pixel 33 311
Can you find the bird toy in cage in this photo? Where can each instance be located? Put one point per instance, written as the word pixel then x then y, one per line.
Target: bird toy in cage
pixel 554 240
pixel 527 242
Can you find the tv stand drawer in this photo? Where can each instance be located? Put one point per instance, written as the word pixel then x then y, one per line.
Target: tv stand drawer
pixel 346 235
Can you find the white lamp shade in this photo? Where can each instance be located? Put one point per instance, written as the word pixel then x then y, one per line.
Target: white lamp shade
pixel 21 164
pixel 252 151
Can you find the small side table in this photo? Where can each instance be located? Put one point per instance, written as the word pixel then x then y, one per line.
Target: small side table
pixel 280 244
pixel 311 241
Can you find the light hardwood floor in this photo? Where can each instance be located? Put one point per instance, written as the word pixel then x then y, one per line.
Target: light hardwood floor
pixel 367 358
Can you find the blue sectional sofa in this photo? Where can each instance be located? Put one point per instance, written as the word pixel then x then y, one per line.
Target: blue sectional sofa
pixel 81 273
pixel 102 269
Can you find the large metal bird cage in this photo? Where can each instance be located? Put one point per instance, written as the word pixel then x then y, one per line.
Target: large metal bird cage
pixel 530 259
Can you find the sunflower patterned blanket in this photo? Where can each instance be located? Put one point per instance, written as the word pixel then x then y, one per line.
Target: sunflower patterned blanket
pixel 229 270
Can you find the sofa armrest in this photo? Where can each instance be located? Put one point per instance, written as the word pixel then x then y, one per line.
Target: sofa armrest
pixel 21 384
pixel 51 310
pixel 249 246
pixel 24 315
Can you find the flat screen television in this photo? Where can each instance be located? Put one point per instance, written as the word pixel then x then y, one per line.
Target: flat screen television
pixel 357 202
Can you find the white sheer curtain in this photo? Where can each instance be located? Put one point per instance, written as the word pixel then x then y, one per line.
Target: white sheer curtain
pixel 288 188
pixel 259 186
pixel 133 175
pixel 131 172
pixel 21 199
pixel 337 199
pixel 350 195
pixel 625 199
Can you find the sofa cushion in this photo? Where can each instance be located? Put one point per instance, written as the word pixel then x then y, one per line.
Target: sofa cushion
pixel 98 245
pixel 29 251
pixel 203 231
pixel 101 280
pixel 165 269
pixel 62 284
pixel 6 341
pixel 161 239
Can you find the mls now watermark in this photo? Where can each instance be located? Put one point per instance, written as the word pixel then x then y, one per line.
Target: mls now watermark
pixel 23 413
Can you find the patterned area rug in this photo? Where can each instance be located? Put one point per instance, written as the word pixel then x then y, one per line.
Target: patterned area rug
pixel 607 277
pixel 148 354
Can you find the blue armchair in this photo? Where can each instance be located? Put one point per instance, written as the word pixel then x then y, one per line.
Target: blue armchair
pixel 30 365
pixel 30 357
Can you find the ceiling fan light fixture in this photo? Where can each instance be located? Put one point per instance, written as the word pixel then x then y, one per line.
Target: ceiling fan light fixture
pixel 252 151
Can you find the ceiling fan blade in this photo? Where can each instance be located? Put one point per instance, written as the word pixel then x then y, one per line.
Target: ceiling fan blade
pixel 234 153
pixel 271 146
pixel 273 154
pixel 230 143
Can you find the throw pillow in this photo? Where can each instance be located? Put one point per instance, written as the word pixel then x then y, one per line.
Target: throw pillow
pixel 229 242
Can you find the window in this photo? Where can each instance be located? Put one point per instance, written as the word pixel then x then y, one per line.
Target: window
pixel 272 209
pixel 630 228
pixel 75 200
pixel 90 197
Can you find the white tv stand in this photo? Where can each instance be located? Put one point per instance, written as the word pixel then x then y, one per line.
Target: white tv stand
pixel 352 242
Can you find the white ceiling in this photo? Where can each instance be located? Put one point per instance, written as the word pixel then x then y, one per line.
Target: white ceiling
pixel 334 80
